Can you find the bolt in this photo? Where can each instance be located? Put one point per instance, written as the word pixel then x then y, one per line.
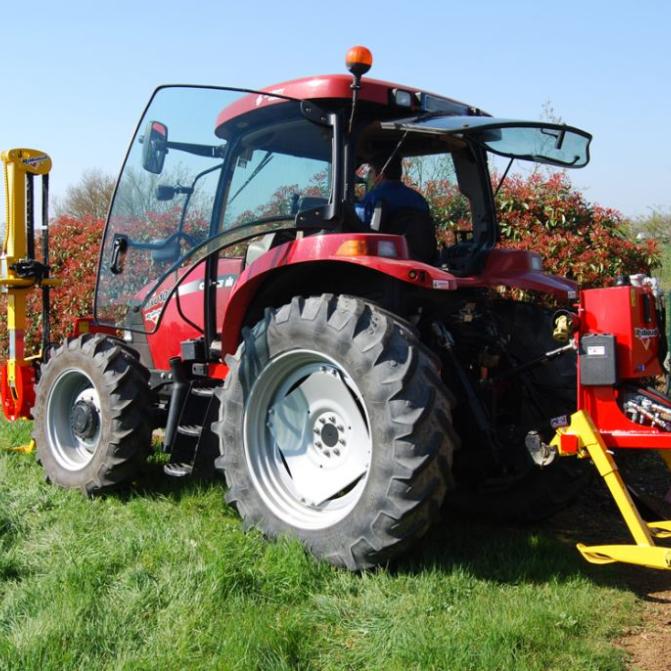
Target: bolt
pixel 342 441
pixel 327 453
pixel 318 443
pixel 332 419
pixel 322 420
pixel 336 452
pixel 341 428
pixel 317 431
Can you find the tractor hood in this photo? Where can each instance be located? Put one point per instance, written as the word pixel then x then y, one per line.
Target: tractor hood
pixel 550 143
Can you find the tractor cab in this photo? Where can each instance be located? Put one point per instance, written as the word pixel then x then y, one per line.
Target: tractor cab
pixel 215 173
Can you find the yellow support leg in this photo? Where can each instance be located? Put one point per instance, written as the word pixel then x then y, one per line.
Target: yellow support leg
pixel 24 449
pixel 644 552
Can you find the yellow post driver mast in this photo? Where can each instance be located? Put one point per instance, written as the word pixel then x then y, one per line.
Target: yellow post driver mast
pixel 20 272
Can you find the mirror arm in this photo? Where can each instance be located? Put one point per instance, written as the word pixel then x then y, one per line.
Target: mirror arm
pixel 210 151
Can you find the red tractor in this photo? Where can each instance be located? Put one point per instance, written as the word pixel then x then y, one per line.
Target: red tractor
pixel 344 372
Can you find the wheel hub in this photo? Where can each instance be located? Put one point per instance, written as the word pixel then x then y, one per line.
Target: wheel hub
pixel 329 435
pixel 84 419
pixel 330 440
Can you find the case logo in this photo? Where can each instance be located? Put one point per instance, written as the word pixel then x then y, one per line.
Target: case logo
pixel 646 335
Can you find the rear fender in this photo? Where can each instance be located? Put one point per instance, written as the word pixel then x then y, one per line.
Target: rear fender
pixel 317 254
pixel 383 256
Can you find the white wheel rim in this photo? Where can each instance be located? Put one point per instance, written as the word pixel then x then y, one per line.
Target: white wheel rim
pixel 307 439
pixel 72 449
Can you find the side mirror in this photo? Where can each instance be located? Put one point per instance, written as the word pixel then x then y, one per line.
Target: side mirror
pixel 154 146
pixel 165 192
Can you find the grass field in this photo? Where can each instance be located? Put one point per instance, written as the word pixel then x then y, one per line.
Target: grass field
pixel 163 577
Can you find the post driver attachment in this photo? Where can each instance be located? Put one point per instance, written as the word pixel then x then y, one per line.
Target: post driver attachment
pixel 20 272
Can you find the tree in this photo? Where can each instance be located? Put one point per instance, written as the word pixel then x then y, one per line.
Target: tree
pixel 656 225
pixel 89 198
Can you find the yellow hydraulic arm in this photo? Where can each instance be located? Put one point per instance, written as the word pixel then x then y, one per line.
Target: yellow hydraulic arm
pixel 20 272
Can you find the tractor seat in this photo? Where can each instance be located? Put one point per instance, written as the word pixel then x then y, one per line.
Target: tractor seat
pixel 259 247
pixel 415 225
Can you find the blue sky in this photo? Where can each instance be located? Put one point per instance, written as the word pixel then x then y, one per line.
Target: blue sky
pixel 76 75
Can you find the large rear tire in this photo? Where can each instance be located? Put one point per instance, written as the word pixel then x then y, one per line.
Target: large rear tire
pixel 335 429
pixel 93 414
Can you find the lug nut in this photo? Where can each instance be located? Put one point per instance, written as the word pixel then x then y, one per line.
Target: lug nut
pixel 336 452
pixel 341 428
pixel 327 453
pixel 318 444
pixel 322 420
pixel 342 441
pixel 332 419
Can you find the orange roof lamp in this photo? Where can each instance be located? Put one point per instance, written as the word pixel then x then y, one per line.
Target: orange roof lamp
pixel 358 60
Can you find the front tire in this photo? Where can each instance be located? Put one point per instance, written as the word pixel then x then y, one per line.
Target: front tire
pixel 93 414
pixel 335 429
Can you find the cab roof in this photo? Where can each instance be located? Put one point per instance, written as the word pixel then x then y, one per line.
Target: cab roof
pixel 336 88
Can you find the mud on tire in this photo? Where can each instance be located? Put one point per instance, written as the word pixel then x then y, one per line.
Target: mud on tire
pixel 93 414
pixel 285 403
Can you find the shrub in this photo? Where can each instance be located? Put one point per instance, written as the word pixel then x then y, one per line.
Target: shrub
pixel 73 245
pixel 586 242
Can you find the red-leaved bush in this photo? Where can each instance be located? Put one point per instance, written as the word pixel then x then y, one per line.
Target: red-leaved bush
pixel 73 250
pixel 586 242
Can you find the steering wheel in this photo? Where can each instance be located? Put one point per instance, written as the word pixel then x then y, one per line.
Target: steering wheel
pixel 180 235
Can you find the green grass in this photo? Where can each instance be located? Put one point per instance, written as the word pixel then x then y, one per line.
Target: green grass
pixel 163 577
